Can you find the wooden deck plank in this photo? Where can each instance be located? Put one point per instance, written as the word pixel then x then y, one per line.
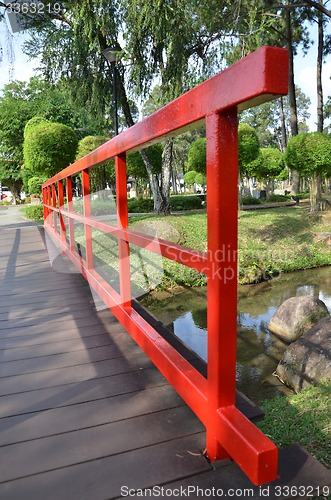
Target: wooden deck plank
pixel 88 390
pixel 103 479
pixel 20 428
pixel 74 374
pixel 85 445
pixel 66 360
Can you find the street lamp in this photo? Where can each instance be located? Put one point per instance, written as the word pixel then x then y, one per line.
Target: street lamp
pixel 110 54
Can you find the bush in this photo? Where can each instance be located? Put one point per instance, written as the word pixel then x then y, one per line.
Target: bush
pixel 34 185
pixel 278 198
pixel 140 206
pixel 185 203
pixel 250 200
pixel 177 203
pixel 34 212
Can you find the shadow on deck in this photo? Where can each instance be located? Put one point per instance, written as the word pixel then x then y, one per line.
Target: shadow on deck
pixel 83 412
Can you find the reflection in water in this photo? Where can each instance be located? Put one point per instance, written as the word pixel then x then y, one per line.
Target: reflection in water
pixel 258 351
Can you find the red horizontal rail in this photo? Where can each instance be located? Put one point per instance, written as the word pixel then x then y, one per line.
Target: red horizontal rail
pixel 251 81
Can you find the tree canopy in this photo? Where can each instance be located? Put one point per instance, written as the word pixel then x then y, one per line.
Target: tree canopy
pixel 49 147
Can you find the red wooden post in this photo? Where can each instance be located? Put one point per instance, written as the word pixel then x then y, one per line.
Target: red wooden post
pixel 222 213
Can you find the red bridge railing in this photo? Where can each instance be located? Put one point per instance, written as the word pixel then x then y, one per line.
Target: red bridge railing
pixel 259 77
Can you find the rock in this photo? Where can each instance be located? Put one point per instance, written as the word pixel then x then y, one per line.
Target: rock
pixel 296 316
pixel 307 360
pixel 159 229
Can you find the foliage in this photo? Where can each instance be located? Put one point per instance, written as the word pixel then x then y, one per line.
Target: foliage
pixel 249 200
pixel 135 164
pixel 310 153
pixel 278 198
pixel 14 113
pixel 189 177
pixel 33 122
pixel 266 119
pixel 140 206
pixel 34 185
pixel 179 202
pixel 268 165
pixel 302 418
pixel 248 146
pixel 49 147
pixel 100 174
pixel 196 159
pixel 200 179
pixel 34 212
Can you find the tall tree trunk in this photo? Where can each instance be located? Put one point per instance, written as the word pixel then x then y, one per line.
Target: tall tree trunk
pixel 282 124
pixel 313 194
pixel 320 117
pixel 166 178
pixel 160 206
pixel 291 90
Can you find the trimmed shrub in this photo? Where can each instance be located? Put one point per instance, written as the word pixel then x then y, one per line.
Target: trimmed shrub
pixel 250 200
pixel 185 203
pixel 140 206
pixel 34 212
pixel 278 198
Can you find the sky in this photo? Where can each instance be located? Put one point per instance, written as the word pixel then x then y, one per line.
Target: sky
pixel 305 68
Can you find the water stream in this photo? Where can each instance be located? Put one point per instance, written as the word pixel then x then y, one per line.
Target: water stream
pixel 258 351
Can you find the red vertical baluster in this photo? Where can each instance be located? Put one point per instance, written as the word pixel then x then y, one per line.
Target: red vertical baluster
pixel 122 222
pixel 61 203
pixel 87 214
pixel 54 214
pixel 70 210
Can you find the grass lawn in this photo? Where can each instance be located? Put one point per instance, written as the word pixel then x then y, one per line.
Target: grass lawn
pixel 302 418
pixel 270 242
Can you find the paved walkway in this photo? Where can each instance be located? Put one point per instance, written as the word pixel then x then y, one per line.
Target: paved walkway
pixel 83 413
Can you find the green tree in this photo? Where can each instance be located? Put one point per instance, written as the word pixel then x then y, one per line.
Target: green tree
pixel 49 147
pixel 269 165
pixel 189 177
pixel 14 113
pixel 136 166
pixel 271 120
pixel 248 147
pixel 101 174
pixel 196 159
pixel 310 154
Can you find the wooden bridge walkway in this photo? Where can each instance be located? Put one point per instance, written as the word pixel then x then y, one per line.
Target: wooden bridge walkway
pixel 83 412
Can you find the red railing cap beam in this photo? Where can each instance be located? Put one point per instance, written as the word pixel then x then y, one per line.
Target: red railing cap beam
pixel 259 77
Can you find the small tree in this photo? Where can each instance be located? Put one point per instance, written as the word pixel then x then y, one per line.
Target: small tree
pixel 267 166
pixel 310 154
pixel 101 174
pixel 196 159
pixel 136 167
pixel 34 185
pixel 49 147
pixel 248 147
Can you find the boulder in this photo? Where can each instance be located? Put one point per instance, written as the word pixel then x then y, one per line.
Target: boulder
pixel 307 360
pixel 296 316
pixel 159 229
